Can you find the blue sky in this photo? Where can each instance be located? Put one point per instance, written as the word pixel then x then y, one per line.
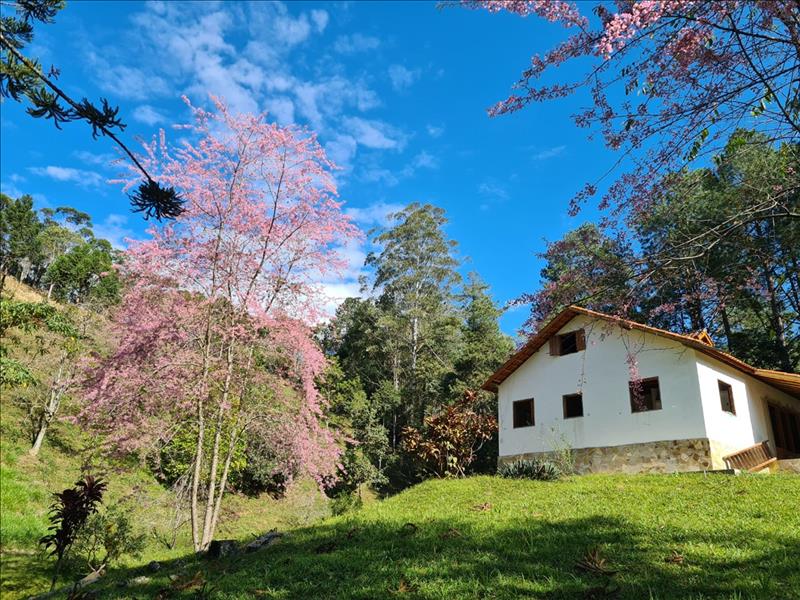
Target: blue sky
pixel 396 91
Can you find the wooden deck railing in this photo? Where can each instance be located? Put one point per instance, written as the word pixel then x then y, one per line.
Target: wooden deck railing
pixel 751 459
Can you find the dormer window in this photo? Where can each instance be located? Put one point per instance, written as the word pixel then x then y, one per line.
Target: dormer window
pixel 568 343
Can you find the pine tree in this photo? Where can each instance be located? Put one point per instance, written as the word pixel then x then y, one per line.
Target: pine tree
pixel 484 346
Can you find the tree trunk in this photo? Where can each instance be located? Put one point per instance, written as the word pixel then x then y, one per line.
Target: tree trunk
pixel 198 458
pixel 51 408
pixel 50 291
pixel 726 327
pixel 208 529
pixel 37 443
pixel 414 342
pixel 776 318
pixel 223 482
pixel 212 483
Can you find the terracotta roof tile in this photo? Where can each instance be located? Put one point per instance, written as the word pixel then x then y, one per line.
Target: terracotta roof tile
pixel 787 382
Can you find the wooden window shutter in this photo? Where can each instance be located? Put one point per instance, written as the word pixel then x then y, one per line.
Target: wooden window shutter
pixel 555 346
pixel 580 339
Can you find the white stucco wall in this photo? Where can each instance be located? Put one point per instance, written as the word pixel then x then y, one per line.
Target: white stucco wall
pixel 601 373
pixel 750 425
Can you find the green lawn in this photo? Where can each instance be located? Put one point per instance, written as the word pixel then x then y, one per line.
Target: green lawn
pixel 661 536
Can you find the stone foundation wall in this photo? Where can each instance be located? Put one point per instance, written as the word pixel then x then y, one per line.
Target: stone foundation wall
pixel 789 465
pixel 651 457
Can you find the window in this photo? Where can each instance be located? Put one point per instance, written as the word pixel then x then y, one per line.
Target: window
pixel 645 395
pixel 726 397
pixel 573 406
pixel 568 343
pixel 523 413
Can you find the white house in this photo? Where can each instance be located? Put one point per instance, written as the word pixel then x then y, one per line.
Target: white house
pixel 628 397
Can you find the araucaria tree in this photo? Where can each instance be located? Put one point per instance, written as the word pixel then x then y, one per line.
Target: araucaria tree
pixel 214 330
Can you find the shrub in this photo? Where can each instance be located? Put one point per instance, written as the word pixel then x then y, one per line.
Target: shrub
pixel 540 470
pixel 68 514
pixel 563 455
pixel 450 440
pixel 345 502
pixel 106 537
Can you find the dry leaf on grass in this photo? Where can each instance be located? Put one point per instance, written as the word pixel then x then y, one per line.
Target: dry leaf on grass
pixel 403 587
pixel 450 534
pixel 593 562
pixel 675 558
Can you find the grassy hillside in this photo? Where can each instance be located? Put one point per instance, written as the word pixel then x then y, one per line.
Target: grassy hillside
pixel 661 536
pixel 686 536
pixel 27 483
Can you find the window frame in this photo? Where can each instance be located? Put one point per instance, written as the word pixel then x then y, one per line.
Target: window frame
pixel 514 405
pixel 724 385
pixel 564 405
pixel 557 342
pixel 644 381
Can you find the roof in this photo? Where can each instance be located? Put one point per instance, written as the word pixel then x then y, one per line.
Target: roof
pixel 786 382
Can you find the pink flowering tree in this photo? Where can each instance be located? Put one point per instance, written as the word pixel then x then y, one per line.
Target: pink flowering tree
pixel 670 81
pixel 214 332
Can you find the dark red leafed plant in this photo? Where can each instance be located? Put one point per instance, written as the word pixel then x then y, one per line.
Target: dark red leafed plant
pixel 450 440
pixel 68 514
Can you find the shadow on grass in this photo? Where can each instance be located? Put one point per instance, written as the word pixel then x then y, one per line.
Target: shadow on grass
pixel 23 574
pixel 474 558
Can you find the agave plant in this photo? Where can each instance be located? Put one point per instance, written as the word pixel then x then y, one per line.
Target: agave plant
pixel 540 470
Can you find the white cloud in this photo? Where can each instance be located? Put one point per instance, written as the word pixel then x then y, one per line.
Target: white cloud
pixel 377 174
pixel 346 285
pixel 132 83
pixel 341 150
pixel 402 77
pixel 113 228
pixel 357 42
pixel 336 293
pixel 245 54
pixel 282 109
pixel 435 131
pixel 148 115
pixel 292 31
pixel 423 160
pixel 10 189
pixel 374 214
pixel 103 159
pixel 375 134
pixel 320 19
pixel 353 255
pixel 70 175
pixel 549 153
pixel 493 190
